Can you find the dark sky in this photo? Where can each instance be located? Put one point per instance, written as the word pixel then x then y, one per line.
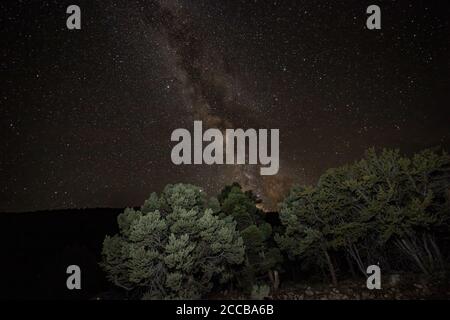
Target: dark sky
pixel 86 115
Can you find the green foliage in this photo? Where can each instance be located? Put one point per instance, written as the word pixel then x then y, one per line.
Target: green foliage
pixel 261 254
pixel 173 248
pixel 382 202
pixel 259 292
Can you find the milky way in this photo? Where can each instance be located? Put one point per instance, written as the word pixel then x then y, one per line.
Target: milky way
pixel 209 89
pixel 87 115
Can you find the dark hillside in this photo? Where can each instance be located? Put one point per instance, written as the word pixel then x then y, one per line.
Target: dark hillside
pixel 37 247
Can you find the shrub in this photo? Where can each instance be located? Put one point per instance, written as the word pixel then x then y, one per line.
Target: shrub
pixel 262 256
pixel 174 247
pixel 259 292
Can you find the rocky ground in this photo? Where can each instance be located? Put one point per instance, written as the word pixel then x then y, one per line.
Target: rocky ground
pixel 358 292
pixel 393 287
pixel 404 287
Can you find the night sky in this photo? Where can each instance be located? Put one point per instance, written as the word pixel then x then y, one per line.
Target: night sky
pixel 86 115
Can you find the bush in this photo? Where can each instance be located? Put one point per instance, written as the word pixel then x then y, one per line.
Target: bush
pixel 174 247
pixel 262 256
pixel 259 292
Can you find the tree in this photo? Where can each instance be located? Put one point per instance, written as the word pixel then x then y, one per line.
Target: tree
pixel 381 202
pixel 174 247
pixel 408 200
pixel 262 257
pixel 308 233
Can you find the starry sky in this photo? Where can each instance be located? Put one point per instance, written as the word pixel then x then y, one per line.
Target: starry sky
pixel 86 115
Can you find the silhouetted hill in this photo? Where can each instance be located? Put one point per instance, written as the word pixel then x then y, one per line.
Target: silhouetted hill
pixel 37 247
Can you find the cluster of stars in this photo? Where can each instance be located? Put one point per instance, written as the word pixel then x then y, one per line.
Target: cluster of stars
pixel 87 115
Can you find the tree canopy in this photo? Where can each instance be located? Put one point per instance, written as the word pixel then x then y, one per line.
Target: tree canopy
pixel 262 257
pixel 173 247
pixel 383 203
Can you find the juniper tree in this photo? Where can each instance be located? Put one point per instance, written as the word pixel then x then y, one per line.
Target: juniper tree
pixel 308 233
pixel 392 200
pixel 262 257
pixel 364 209
pixel 408 200
pixel 351 224
pixel 173 247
